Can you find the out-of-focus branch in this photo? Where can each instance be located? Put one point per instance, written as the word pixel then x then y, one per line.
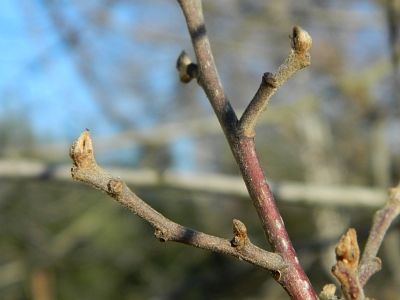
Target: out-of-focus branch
pixel 164 133
pixel 86 170
pixel 328 292
pixel 285 191
pixel 297 59
pixel 369 263
pixel 352 273
pixel 393 23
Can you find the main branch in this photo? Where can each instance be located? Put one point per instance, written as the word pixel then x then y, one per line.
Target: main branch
pixel 240 136
pixel 208 77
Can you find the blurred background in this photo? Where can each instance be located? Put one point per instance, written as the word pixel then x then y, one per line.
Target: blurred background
pixel 329 143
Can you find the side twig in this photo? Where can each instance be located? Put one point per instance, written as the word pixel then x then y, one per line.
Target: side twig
pixel 86 170
pixel 297 59
pixel 349 271
pixel 369 263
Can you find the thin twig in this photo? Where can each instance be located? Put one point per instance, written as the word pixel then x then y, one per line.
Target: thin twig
pixel 297 59
pixel 369 263
pixel 86 170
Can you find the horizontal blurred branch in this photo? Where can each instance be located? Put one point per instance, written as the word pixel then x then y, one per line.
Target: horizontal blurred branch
pixel 165 133
pixel 213 183
pixel 12 272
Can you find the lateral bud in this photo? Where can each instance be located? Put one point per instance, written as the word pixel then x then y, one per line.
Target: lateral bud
pixel 240 240
pixel 115 186
pixel 187 69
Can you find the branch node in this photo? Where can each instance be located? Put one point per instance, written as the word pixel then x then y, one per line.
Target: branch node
pixel 276 274
pixel 270 79
pixel 240 240
pixel 187 69
pixel 159 234
pixel 115 186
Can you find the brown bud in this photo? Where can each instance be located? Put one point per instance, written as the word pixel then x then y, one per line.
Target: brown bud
pixel 240 240
pixel 301 40
pixel 187 69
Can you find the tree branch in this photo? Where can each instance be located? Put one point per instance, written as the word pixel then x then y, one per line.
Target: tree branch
pixel 208 77
pixel 351 273
pixel 297 59
pixel 283 264
pixel 86 170
pixel 369 263
pixel 293 279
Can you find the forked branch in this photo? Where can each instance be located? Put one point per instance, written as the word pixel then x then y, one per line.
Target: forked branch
pixel 240 136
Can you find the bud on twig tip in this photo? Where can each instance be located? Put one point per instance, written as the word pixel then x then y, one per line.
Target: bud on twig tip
pixel 301 40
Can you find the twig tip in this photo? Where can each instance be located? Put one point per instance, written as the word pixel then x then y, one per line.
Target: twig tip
pixel 81 151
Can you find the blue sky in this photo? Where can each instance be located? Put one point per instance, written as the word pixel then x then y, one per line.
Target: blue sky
pixel 23 64
pixel 36 63
pixel 41 85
